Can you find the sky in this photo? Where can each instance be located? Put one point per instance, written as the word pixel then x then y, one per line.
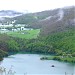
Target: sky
pixel 34 5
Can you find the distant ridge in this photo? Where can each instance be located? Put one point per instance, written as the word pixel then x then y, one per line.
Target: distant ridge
pixel 9 13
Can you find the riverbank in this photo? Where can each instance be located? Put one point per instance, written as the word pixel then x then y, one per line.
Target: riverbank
pixel 60 58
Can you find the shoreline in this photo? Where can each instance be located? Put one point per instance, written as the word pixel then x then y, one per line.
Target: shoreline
pixel 48 57
pixel 59 58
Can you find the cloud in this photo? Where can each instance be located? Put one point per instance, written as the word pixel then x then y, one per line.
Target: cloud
pixel 34 5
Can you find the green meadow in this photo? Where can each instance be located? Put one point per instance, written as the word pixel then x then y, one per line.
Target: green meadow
pixel 27 34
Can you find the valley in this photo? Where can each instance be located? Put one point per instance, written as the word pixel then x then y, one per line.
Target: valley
pixel 50 33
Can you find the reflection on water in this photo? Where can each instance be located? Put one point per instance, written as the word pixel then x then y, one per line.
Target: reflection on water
pixel 30 64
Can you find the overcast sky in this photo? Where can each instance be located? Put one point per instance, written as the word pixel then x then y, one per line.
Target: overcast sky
pixel 34 5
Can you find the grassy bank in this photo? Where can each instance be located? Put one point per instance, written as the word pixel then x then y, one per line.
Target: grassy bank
pixel 60 58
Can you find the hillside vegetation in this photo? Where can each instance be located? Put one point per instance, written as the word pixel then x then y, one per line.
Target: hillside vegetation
pixel 59 44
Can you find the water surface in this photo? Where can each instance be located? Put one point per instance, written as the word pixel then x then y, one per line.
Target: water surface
pixel 30 64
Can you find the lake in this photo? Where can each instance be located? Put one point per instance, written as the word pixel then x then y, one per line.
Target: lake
pixel 30 64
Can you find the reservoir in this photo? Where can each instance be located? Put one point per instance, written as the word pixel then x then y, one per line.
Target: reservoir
pixel 30 64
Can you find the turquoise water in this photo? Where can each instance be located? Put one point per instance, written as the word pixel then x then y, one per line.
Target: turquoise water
pixel 30 64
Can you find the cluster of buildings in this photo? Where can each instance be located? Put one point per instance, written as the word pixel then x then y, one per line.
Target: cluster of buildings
pixel 11 27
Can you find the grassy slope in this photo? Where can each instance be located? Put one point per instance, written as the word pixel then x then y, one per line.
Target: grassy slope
pixel 29 34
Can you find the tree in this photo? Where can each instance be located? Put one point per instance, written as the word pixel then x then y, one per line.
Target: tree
pixel 13 46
